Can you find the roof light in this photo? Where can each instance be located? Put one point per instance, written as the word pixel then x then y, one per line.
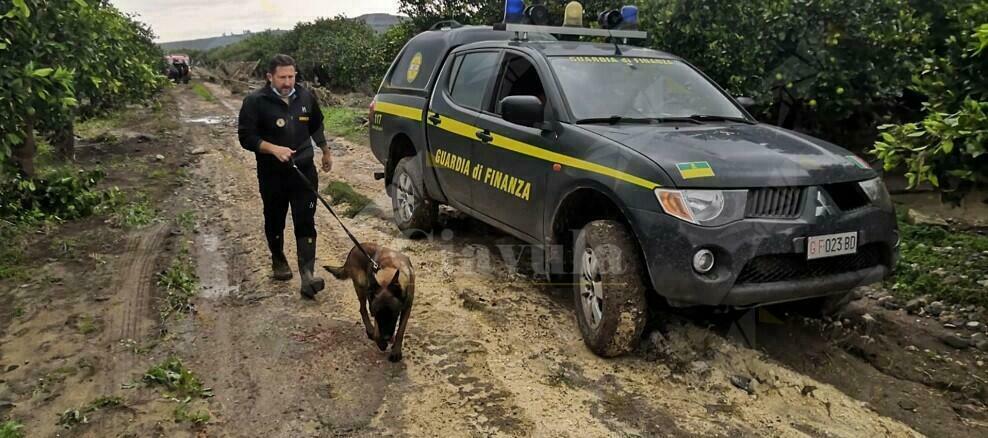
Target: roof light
pixel 573 15
pixel 629 14
pixel 610 19
pixel 514 11
pixel 537 14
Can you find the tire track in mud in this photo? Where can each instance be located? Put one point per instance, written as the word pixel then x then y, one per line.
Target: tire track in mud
pixel 493 354
pixel 129 319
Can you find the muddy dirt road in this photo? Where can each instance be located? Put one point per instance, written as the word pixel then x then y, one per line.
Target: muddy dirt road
pixel 490 351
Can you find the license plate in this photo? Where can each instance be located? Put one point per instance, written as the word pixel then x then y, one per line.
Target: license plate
pixel 830 245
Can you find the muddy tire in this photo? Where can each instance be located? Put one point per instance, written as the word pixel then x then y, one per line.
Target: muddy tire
pixel 415 213
pixel 608 288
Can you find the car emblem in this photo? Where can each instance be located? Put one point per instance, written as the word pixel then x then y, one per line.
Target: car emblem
pixel 823 206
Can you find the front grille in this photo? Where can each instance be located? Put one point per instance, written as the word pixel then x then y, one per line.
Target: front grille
pixel 774 202
pixel 789 267
pixel 847 196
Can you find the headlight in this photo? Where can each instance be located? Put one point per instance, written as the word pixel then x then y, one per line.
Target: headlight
pixel 876 191
pixel 703 207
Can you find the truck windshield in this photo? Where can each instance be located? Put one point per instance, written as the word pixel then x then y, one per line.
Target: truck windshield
pixel 609 87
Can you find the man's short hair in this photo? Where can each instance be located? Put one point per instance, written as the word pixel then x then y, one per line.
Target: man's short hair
pixel 280 60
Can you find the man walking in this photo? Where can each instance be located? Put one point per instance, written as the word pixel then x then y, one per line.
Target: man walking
pixel 279 123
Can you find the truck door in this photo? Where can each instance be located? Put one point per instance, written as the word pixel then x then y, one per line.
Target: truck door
pixel 517 158
pixel 456 101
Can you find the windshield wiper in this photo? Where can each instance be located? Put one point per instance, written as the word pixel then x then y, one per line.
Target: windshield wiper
pixel 713 118
pixel 613 120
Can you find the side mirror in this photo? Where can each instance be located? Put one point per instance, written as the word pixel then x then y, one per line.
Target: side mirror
pixel 746 102
pixel 523 110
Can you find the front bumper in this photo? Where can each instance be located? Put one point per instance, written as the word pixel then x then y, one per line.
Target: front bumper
pixel 763 261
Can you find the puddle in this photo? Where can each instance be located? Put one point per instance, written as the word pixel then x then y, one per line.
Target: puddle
pixel 211 120
pixel 211 268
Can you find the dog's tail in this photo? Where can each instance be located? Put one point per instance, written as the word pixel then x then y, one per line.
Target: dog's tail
pixel 338 272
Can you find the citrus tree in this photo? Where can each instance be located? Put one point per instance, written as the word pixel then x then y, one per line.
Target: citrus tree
pixel 829 67
pixel 947 148
pixel 65 59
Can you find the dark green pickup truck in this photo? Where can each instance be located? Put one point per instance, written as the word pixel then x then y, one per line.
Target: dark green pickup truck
pixel 630 171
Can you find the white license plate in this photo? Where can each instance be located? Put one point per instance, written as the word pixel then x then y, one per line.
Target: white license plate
pixel 830 245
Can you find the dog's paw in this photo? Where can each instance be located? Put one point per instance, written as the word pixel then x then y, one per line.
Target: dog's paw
pixel 395 356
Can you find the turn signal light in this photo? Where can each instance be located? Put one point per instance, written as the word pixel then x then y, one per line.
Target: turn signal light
pixel 573 15
pixel 673 203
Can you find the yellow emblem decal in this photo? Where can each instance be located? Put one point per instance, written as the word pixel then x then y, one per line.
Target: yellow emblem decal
pixel 413 68
pixel 280 123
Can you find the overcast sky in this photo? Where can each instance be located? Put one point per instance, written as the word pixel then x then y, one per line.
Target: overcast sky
pixel 176 20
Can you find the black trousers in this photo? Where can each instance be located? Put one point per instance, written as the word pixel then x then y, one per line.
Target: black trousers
pixel 281 188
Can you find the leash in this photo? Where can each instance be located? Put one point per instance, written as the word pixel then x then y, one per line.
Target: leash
pixel 314 190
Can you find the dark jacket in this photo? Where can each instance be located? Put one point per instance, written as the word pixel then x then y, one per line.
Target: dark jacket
pixel 263 111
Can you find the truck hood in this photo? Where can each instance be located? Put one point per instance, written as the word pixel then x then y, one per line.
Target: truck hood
pixel 738 155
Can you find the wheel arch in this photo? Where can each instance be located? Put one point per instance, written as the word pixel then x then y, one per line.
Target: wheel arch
pixel 583 203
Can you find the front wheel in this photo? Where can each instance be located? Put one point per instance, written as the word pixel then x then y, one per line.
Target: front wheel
pixel 609 291
pixel 415 213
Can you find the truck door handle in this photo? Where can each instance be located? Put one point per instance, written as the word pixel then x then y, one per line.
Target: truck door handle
pixel 435 119
pixel 485 136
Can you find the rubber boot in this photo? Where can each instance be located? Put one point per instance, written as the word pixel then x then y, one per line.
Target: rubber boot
pixel 279 267
pixel 279 263
pixel 311 285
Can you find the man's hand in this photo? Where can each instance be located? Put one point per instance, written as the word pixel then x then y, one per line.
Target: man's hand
pixel 282 153
pixel 327 161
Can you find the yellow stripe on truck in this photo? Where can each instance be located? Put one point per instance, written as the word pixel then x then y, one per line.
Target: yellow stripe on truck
pixel 399 110
pixel 457 127
pixel 469 131
pixel 566 160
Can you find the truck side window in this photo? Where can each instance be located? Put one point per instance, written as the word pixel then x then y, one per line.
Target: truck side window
pixel 472 78
pixel 518 78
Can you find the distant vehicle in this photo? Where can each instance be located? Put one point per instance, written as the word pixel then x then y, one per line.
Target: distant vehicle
pixel 178 68
pixel 582 148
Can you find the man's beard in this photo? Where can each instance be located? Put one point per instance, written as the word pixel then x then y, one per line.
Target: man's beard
pixel 284 91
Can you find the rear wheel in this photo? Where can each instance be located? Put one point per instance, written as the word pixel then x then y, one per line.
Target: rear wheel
pixel 415 213
pixel 609 291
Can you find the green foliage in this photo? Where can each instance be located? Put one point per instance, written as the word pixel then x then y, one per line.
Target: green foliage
pixel 201 90
pixel 260 46
pixel 343 193
pixel 87 325
pixel 338 52
pixel 186 220
pixel 810 65
pixel 137 213
pixel 60 194
pixel 60 59
pixel 11 429
pixel 180 284
pixel 184 415
pixel 177 379
pixel 425 13
pixel 947 148
pixel 944 264
pixel 73 417
pixel 345 122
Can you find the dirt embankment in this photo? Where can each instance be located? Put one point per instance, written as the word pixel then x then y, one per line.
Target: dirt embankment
pixel 490 351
